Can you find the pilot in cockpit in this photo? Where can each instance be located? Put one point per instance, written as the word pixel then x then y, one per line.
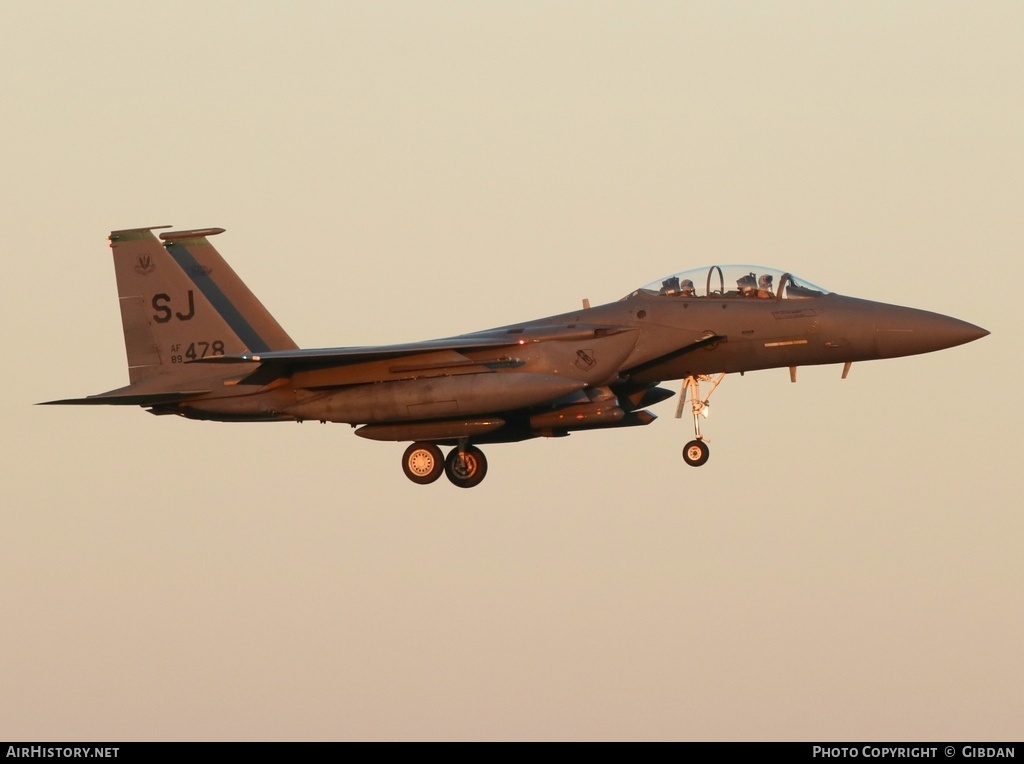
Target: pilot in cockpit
pixel 747 285
pixel 751 286
pixel 686 288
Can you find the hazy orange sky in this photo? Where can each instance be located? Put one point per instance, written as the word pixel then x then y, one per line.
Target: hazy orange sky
pixel 847 565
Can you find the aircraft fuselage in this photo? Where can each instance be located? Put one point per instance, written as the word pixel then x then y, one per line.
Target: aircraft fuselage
pixel 201 345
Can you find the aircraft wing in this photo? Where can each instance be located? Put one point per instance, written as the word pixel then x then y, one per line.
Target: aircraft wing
pixel 346 356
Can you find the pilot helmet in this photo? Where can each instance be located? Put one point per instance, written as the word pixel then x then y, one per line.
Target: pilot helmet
pixel 686 287
pixel 747 282
pixel 765 282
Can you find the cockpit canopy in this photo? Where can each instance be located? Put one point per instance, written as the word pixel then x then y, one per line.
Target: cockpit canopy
pixel 734 281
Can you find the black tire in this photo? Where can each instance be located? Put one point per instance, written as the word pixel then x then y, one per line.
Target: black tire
pixel 423 463
pixel 466 468
pixel 696 452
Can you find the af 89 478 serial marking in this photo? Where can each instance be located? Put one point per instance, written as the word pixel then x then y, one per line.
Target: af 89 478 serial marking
pixel 196 351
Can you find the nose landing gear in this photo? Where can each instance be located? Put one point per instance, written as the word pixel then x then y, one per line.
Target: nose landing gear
pixel 696 451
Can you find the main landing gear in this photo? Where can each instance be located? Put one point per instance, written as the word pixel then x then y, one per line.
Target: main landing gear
pixel 696 451
pixel 423 462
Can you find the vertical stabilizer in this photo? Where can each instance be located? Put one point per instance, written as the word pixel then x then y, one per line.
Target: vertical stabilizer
pixel 167 319
pixel 236 303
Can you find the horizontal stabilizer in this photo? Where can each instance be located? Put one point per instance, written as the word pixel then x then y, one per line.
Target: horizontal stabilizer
pixel 150 399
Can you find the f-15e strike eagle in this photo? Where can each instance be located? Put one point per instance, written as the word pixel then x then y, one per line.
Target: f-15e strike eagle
pixel 202 346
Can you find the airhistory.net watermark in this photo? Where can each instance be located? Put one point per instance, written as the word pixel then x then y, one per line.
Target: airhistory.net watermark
pixel 60 752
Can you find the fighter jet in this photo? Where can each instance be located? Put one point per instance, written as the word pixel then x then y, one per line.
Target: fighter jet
pixel 202 346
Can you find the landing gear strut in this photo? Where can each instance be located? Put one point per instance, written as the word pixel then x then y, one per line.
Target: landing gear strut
pixel 696 451
pixel 423 463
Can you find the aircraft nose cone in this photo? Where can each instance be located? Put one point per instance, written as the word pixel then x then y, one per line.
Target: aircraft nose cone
pixel 907 331
pixel 964 332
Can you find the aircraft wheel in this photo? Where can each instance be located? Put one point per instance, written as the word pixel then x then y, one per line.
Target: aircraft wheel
pixel 466 468
pixel 423 463
pixel 696 453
